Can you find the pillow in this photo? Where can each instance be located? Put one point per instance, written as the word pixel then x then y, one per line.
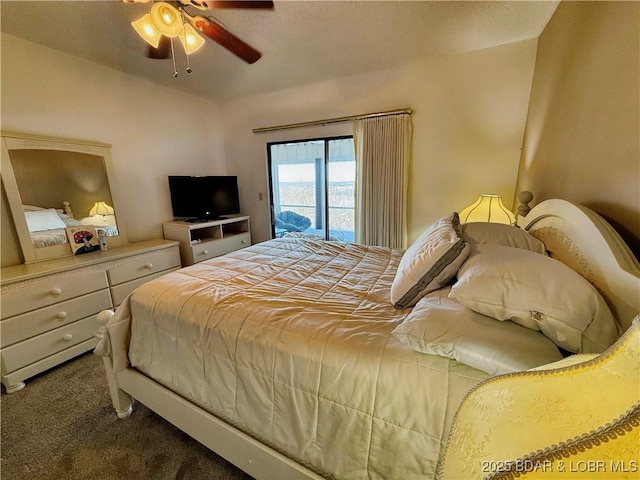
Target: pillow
pixel 430 262
pixel 501 234
pixel 68 221
pixel 97 220
pixel 537 292
pixel 442 326
pixel 48 219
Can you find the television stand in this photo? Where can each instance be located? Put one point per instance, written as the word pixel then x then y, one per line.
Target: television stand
pixel 203 220
pixel 204 239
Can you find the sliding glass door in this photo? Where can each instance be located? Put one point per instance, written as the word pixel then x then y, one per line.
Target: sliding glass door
pixel 312 188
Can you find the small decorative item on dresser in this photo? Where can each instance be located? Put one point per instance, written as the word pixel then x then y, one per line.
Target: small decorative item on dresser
pixel 83 239
pixel 102 238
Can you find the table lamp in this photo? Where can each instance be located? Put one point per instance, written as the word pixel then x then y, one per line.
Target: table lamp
pixel 487 208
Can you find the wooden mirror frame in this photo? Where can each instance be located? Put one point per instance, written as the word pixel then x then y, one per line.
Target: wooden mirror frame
pixel 24 141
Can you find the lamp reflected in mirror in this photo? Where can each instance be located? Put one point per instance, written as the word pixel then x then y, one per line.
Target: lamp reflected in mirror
pixel 101 208
pixel 102 215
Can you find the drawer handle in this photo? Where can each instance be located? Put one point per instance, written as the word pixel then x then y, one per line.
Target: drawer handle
pixel 62 315
pixel 148 265
pixel 205 252
pixel 68 337
pixel 55 291
pixel 243 241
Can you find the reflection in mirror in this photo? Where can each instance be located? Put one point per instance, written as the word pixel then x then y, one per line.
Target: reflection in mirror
pixel 62 189
pixel 54 186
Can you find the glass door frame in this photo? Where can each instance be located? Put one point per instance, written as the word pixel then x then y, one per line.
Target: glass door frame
pixel 321 195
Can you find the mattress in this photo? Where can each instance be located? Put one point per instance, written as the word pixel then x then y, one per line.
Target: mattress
pixel 290 341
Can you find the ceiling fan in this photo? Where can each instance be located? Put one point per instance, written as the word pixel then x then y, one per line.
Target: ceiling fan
pixel 171 19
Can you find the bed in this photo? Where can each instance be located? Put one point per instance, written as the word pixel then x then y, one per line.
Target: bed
pixel 299 358
pixel 47 226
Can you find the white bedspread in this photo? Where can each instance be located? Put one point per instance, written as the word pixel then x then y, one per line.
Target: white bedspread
pixel 47 238
pixel 290 341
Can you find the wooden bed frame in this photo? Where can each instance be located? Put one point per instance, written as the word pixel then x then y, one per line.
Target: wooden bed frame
pixel 572 233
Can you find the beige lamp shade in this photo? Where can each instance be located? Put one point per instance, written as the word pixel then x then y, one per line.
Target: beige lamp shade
pixel 167 19
pixel 147 30
pixel 487 208
pixel 100 208
pixel 190 39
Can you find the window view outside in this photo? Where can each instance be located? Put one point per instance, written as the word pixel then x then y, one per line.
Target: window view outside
pixel 312 187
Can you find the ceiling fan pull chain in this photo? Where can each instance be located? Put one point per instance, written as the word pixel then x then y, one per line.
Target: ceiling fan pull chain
pixel 184 36
pixel 173 58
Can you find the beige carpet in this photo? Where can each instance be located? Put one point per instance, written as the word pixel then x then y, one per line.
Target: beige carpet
pixel 62 426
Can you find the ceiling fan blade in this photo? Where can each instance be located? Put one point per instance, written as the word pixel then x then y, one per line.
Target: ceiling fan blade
pixel 162 51
pixel 211 4
pixel 228 40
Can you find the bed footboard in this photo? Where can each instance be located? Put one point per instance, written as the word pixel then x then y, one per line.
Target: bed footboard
pixel 246 453
pixel 243 451
pixel 122 401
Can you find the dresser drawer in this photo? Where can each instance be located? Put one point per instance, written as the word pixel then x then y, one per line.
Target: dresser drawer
pixel 120 292
pixel 34 323
pixel 144 265
pixel 207 250
pixel 236 242
pixel 36 348
pixel 51 290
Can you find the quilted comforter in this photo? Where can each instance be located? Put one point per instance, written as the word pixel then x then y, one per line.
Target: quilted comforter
pixel 290 341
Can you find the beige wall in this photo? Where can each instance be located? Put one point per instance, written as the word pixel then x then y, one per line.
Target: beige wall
pixel 582 135
pixel 154 131
pixel 470 111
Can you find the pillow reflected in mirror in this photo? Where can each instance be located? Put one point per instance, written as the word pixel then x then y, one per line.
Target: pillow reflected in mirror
pixel 39 220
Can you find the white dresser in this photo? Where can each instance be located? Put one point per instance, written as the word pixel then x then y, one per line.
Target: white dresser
pixel 48 309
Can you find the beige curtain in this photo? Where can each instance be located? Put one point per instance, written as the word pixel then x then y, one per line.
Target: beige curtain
pixel 383 148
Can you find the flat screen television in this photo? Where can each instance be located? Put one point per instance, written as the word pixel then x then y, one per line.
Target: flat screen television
pixel 195 198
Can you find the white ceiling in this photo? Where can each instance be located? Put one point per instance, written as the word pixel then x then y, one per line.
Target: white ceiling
pixel 301 41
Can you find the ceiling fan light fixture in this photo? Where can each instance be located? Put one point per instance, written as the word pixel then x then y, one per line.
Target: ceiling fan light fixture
pixel 190 39
pixel 167 19
pixel 145 27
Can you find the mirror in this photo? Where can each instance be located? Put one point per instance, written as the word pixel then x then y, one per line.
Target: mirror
pixel 52 184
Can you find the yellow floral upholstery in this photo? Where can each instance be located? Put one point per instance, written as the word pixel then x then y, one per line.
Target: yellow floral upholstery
pixel 577 418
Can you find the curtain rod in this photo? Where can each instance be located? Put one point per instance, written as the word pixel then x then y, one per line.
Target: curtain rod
pixel 331 120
